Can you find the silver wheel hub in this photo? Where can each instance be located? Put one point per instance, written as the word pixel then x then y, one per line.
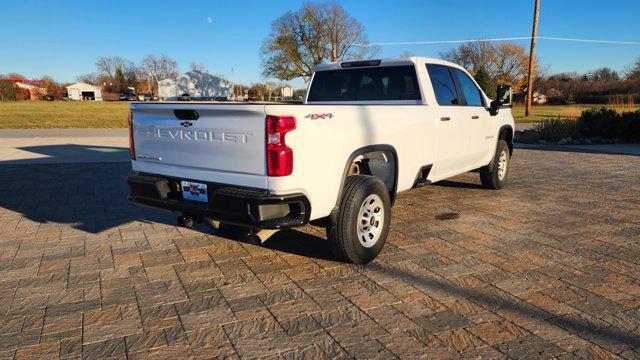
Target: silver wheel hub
pixel 370 220
pixel 503 162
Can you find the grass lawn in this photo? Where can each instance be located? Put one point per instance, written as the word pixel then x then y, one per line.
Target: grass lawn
pixel 545 112
pixel 113 114
pixel 63 114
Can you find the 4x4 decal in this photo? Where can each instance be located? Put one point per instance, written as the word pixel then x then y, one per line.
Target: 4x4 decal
pixel 319 116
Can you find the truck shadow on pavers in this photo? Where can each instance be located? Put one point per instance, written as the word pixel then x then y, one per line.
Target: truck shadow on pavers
pixel 291 241
pixel 458 184
pixel 512 308
pixel 87 196
pixel 70 153
pixel 300 243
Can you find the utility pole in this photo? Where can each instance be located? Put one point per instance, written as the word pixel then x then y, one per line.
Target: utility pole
pixel 532 55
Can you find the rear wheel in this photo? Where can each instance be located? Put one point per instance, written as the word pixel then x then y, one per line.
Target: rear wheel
pixel 363 220
pixel 495 174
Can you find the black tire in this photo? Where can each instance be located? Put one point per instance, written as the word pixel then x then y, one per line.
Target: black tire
pixel 186 222
pixel 490 175
pixel 343 237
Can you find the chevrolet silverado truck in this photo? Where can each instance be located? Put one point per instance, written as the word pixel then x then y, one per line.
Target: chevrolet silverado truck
pixel 367 130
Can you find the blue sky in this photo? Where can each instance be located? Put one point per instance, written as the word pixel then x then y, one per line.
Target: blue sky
pixel 64 38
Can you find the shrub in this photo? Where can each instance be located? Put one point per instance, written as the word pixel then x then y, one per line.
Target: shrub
pixel 609 124
pixel 559 100
pixel 557 129
pixel 599 122
pixel 630 125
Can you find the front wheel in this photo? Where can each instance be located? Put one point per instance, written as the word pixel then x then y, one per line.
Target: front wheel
pixel 363 220
pixel 495 174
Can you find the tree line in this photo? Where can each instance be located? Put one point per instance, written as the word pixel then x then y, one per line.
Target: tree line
pixel 599 86
pixel 117 74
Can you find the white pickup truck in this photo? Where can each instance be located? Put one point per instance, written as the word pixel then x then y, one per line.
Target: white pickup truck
pixel 367 130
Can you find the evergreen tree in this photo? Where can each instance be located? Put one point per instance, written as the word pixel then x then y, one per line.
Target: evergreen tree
pixel 120 81
pixel 484 80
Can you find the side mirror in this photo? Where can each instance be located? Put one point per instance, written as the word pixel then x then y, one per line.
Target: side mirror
pixel 504 94
pixel 504 99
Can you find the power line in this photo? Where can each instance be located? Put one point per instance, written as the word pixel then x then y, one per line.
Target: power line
pixel 501 39
pixel 591 40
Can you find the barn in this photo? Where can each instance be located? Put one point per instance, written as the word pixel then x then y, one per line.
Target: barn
pixel 82 91
pixel 199 85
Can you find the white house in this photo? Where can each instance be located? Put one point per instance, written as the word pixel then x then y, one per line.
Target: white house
pixel 539 99
pixel 82 91
pixel 198 84
pixel 287 92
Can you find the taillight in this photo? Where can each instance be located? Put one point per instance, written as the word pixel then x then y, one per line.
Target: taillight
pixel 132 149
pixel 279 155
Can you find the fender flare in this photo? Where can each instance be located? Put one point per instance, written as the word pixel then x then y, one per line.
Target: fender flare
pixel 331 219
pixel 510 129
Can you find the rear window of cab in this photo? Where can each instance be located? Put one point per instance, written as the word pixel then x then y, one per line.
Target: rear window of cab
pixel 366 84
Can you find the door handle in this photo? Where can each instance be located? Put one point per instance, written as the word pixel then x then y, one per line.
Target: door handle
pixel 445 118
pixel 475 117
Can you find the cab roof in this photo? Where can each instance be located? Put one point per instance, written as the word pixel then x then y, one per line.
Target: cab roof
pixel 413 60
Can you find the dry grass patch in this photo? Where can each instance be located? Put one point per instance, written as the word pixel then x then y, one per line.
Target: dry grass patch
pixel 63 114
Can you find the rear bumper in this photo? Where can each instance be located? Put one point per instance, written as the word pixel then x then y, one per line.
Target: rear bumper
pixel 228 204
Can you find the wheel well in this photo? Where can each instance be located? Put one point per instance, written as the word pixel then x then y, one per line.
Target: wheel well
pixel 378 163
pixel 387 174
pixel 506 134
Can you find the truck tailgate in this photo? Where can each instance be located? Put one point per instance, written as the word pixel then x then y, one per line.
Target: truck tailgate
pixel 224 139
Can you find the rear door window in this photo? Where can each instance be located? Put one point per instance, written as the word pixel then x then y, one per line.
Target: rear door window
pixel 469 89
pixel 443 85
pixel 366 84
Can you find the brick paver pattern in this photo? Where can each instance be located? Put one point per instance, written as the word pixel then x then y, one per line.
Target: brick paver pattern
pixel 547 267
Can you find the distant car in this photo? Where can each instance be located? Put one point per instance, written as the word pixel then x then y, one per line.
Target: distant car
pixel 123 97
pixel 48 98
pixel 185 97
pixel 147 97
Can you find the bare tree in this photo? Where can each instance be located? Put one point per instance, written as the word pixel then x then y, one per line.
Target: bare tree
pixel 316 33
pixel 196 66
pixel 472 56
pixel 109 65
pixel 506 63
pixel 115 69
pixel 156 69
pixel 510 64
pixel 633 74
pixel 406 54
pixel 90 78
pixel 603 74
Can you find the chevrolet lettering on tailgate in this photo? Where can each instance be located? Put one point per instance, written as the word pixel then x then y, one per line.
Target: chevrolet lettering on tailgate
pixel 201 135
